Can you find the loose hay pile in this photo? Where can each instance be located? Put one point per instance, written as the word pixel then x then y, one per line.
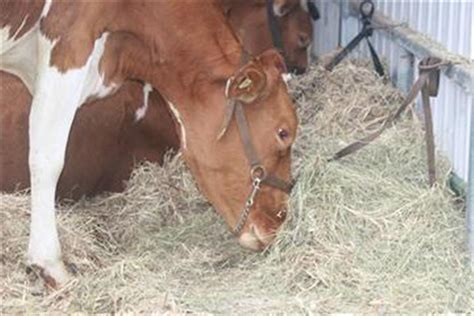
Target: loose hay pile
pixel 365 234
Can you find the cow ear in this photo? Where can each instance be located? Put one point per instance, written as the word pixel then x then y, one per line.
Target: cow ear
pixel 247 85
pixel 272 58
pixel 282 7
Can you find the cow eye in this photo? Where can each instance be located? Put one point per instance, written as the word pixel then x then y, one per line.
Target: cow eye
pixel 283 134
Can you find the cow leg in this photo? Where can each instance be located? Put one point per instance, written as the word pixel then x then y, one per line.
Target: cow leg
pixel 54 105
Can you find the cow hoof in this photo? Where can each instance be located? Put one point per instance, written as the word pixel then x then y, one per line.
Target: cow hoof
pixel 54 275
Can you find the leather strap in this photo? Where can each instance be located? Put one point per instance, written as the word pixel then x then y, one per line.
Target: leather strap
pixel 366 9
pixel 355 146
pixel 429 137
pixel 251 153
pixel 278 183
pixel 375 58
pixel 245 136
pixel 428 84
pixel 275 29
pixel 249 148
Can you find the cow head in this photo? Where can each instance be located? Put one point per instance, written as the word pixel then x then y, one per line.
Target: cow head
pixel 250 19
pixel 217 152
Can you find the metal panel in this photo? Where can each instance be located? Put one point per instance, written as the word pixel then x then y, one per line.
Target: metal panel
pixel 451 24
pixel 326 29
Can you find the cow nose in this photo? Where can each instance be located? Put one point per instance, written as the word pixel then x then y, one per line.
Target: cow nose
pixel 254 239
pixel 297 70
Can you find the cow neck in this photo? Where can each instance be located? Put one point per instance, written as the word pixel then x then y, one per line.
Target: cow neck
pixel 198 78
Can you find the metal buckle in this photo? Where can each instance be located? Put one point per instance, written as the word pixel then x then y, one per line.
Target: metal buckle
pixel 367 9
pixel 258 172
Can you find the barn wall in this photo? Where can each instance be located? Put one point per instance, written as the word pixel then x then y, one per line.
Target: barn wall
pixel 449 23
pixel 326 29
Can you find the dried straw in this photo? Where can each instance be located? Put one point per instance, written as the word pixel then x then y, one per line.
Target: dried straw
pixel 365 234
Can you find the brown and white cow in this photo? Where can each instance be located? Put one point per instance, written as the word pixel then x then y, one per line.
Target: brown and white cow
pixel 128 127
pixel 69 52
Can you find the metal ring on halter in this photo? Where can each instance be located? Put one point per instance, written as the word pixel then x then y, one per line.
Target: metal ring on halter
pixel 258 172
pixel 367 9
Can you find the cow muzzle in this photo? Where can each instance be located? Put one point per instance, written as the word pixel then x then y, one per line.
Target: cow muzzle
pixel 255 239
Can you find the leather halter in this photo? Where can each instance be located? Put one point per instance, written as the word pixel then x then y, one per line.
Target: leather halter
pixel 258 173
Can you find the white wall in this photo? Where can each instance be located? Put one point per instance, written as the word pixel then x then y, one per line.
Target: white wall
pixel 449 23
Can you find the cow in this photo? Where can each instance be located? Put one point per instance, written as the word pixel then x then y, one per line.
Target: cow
pixel 127 120
pixel 236 120
pixel 291 33
pixel 108 138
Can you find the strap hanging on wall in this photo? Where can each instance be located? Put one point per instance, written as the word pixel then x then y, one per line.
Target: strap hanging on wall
pixel 366 9
pixel 428 84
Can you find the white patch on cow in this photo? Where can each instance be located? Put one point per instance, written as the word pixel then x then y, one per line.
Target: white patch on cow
pixel 227 86
pixel 46 8
pixel 20 57
pixel 254 239
pixel 21 25
pixel 141 111
pixel 249 240
pixel 7 41
pixel 286 79
pixel 178 118
pixel 94 86
pixel 309 52
pixel 277 10
pixel 57 97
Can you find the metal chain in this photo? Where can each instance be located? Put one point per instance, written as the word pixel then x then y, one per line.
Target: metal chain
pixel 248 205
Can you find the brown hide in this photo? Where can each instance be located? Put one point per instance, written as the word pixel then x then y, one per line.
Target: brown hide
pixel 104 144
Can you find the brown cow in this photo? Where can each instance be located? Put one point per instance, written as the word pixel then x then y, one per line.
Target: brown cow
pixel 237 122
pixel 133 140
pixel 252 22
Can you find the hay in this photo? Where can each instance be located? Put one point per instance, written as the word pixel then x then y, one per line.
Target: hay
pixel 365 234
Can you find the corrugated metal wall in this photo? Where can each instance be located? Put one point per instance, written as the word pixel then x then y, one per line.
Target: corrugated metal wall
pixel 448 22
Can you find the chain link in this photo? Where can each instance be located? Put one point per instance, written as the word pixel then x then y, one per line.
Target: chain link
pixel 248 205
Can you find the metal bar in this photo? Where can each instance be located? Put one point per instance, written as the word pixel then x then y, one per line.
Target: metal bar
pixel 462 70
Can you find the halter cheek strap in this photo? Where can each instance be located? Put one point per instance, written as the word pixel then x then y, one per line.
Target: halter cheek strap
pixel 275 29
pixel 258 173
